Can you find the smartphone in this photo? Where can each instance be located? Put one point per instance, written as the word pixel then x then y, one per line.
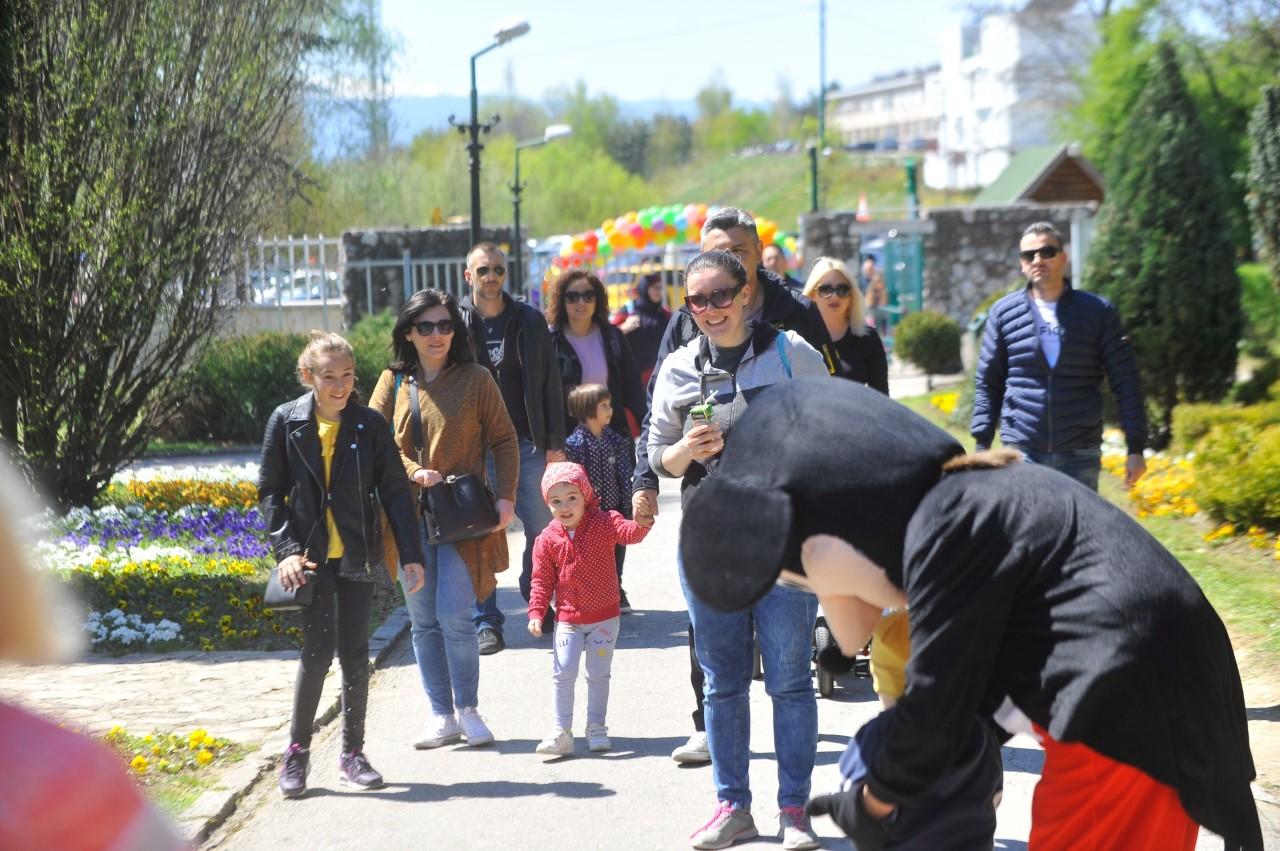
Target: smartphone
pixel 701 413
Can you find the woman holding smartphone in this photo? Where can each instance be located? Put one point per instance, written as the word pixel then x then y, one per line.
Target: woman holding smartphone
pixel 700 392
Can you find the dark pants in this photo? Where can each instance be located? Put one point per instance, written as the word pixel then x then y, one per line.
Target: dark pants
pixel 958 810
pixel 319 639
pixel 696 679
pixel 1082 465
pixel 619 556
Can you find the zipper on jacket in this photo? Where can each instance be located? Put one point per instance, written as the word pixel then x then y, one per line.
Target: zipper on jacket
pixel 364 539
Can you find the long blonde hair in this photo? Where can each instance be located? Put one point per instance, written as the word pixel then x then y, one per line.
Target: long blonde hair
pixel 821 267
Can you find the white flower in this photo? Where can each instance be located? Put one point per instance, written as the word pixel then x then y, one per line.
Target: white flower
pixel 116 626
pixel 247 472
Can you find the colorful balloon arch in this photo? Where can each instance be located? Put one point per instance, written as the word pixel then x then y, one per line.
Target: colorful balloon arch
pixel 639 229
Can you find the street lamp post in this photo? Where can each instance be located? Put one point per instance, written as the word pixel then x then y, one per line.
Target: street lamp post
pixel 554 131
pixel 505 33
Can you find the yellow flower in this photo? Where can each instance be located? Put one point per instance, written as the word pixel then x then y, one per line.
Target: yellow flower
pixel 197 738
pixel 139 764
pixel 115 732
pixel 204 757
pixel 156 750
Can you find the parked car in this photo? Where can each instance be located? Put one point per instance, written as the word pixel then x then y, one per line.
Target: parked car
pixel 887 145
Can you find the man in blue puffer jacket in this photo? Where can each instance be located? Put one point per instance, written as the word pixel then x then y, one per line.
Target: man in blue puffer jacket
pixel 1044 354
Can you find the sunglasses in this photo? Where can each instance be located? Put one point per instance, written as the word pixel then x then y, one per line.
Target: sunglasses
pixel 721 299
pixel 426 329
pixel 575 296
pixel 483 271
pixel 1048 252
pixel 841 290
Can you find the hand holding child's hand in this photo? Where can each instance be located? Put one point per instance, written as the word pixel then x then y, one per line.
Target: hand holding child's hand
pixel 644 521
pixel 535 627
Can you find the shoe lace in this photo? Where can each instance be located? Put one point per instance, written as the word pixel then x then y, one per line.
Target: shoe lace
pixel 358 763
pixel 294 758
pixel 723 811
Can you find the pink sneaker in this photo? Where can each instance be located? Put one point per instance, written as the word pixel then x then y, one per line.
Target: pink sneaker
pixel 730 824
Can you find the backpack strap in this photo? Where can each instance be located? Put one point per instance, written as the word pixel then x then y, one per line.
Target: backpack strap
pixel 415 415
pixel 782 352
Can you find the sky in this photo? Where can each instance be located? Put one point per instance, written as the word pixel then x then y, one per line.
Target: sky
pixel 659 49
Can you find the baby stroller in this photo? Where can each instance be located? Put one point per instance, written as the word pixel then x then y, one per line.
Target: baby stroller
pixel 830 662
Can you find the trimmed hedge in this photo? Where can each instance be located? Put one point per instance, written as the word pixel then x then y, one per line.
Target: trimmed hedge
pixel 1237 473
pixel 1191 423
pixel 241 380
pixel 929 340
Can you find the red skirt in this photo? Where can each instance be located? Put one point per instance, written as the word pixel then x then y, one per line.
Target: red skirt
pixel 1088 802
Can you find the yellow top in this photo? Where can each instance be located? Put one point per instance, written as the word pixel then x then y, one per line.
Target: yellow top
pixel 328 433
pixel 890 651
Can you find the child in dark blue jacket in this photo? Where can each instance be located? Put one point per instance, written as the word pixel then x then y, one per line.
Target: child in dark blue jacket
pixel 609 457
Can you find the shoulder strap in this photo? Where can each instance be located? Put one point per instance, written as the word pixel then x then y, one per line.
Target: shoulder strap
pixel 395 399
pixel 415 415
pixel 782 352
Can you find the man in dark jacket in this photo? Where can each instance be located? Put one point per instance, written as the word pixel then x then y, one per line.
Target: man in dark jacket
pixel 1044 354
pixel 512 340
pixel 733 230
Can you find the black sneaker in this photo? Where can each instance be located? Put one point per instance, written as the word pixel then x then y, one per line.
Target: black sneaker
pixel 356 771
pixel 491 641
pixel 623 603
pixel 293 771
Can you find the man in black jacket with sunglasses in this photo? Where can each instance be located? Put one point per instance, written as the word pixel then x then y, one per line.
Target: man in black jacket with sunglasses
pixel 1044 354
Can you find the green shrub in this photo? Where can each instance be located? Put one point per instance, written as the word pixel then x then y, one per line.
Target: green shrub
pixel 1237 467
pixel 929 340
pixel 1193 421
pixel 1260 302
pixel 238 383
pixel 371 340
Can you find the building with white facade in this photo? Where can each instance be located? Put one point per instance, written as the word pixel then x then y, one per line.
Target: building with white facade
pixel 1005 82
pixel 902 107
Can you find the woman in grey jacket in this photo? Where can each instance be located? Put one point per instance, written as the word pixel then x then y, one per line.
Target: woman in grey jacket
pixel 701 391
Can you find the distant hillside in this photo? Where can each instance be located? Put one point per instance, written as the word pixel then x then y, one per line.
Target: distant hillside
pixel 412 115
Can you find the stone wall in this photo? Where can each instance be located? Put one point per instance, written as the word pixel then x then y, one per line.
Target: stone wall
pixel 969 252
pixel 387 248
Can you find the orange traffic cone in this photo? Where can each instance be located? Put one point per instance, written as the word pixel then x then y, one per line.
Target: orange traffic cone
pixel 864 212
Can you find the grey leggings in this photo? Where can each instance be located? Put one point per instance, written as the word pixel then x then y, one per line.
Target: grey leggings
pixel 598 639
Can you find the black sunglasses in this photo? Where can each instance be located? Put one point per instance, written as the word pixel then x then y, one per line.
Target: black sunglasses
pixel 498 271
pixel 1048 252
pixel 841 290
pixel 426 328
pixel 721 298
pixel 574 296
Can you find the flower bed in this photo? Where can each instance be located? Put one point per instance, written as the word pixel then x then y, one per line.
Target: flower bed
pixel 174 558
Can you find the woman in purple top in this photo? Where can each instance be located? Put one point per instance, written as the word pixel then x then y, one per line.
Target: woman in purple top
pixel 589 349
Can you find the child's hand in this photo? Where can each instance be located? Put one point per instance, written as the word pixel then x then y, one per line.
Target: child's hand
pixel 644 521
pixel 535 627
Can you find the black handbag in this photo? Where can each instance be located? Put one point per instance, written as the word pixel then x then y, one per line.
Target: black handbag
pixel 458 508
pixel 277 599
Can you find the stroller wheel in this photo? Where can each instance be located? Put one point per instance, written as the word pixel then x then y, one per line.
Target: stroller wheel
pixel 826 683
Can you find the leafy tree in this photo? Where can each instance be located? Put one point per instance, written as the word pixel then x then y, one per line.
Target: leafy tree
pixel 1163 253
pixel 352 59
pixel 1264 178
pixel 142 145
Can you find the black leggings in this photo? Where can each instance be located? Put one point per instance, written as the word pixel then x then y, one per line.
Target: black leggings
pixel 696 680
pixel 319 638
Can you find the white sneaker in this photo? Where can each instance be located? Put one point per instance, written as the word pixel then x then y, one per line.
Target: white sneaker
pixel 439 730
pixel 474 729
pixel 693 751
pixel 598 738
pixel 561 744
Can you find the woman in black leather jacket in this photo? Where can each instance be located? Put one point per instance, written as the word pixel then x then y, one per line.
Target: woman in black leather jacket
pixel 326 465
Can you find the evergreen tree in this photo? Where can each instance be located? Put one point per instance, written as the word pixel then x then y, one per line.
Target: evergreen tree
pixel 1163 252
pixel 1264 178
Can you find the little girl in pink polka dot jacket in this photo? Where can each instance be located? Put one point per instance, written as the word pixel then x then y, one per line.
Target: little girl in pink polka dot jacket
pixel 573 560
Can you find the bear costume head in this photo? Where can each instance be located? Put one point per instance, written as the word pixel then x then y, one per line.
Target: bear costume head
pixel 809 456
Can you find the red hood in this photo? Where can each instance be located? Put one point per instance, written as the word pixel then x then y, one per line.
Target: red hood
pixel 575 474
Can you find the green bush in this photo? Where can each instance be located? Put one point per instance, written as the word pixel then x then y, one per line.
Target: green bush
pixel 237 384
pixel 1192 422
pixel 1237 467
pixel 371 340
pixel 1260 302
pixel 929 340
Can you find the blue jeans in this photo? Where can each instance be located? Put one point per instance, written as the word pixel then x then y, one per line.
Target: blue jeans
pixel 444 640
pixel 1080 464
pixel 783 621
pixel 534 516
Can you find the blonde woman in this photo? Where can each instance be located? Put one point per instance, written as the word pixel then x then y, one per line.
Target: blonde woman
pixel 859 352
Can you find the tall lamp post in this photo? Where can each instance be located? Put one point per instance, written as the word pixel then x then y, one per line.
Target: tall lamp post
pixel 554 131
pixel 505 33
